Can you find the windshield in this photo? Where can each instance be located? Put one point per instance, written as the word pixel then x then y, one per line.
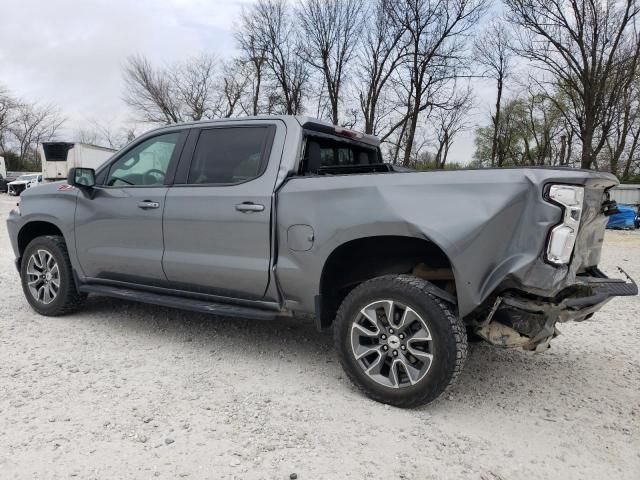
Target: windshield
pixel 27 177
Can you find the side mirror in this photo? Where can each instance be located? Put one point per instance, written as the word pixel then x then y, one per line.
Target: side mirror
pixel 82 177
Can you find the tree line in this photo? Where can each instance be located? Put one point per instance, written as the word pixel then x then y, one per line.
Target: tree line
pixel 579 103
pixel 395 69
pixel 566 73
pixel 565 76
pixel 23 125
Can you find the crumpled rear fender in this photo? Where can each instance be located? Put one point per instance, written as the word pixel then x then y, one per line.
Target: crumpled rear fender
pixel 492 225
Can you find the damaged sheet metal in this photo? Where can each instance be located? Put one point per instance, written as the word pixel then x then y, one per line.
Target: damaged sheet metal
pixel 491 224
pixel 530 323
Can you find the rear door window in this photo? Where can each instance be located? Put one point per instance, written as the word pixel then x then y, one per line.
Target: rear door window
pixel 230 155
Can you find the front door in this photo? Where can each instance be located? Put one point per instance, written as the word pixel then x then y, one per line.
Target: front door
pixel 119 230
pixel 217 217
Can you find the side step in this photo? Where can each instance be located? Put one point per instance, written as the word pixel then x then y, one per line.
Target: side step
pixel 183 303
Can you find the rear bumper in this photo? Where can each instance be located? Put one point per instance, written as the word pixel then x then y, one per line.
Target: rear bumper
pixel 519 320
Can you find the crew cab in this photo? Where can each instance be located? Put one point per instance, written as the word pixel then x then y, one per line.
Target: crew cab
pixel 265 217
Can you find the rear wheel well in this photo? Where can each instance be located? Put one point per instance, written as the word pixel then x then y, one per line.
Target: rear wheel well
pixel 363 259
pixel 34 230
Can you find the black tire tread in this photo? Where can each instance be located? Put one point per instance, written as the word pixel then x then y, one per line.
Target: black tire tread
pixel 420 287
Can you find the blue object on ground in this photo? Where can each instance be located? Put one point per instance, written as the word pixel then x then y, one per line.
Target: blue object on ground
pixel 627 217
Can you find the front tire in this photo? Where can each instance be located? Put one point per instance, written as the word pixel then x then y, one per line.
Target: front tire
pixel 47 277
pixel 398 342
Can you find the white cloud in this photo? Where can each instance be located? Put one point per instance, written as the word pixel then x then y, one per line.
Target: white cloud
pixel 70 53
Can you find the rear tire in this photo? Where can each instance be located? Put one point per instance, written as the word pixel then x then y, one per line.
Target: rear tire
pixel 47 277
pixel 410 360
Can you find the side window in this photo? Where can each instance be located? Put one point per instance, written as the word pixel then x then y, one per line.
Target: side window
pixel 229 155
pixel 146 164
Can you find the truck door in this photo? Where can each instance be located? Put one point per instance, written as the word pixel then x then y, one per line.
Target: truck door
pixel 217 217
pixel 119 230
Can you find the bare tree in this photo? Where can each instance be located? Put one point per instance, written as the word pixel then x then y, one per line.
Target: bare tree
pixel 331 31
pixel 253 54
pixel 33 125
pixel 192 83
pixel 106 134
pixel 8 105
pixel 623 143
pixel 149 91
pixel 381 54
pixel 532 131
pixel 269 23
pixel 542 127
pixel 436 32
pixel 449 122
pixel 492 50
pixel 587 48
pixel 181 92
pixel 231 87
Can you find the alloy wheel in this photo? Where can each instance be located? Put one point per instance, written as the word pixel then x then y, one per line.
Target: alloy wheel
pixel 43 276
pixel 392 344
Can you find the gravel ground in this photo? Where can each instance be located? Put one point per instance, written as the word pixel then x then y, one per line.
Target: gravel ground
pixel 125 390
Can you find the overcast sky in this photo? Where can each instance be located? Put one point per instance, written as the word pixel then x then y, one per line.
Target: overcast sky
pixel 70 52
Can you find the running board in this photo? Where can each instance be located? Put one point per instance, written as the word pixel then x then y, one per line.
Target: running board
pixel 182 303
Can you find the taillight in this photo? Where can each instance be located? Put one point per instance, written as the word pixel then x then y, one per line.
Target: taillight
pixel 344 132
pixel 563 236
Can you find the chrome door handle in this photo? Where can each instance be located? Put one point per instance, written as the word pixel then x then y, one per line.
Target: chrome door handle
pixel 146 204
pixel 249 207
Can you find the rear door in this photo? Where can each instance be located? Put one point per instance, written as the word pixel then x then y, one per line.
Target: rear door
pixel 119 230
pixel 217 229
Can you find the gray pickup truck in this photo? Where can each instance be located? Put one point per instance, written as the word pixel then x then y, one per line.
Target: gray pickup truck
pixel 268 217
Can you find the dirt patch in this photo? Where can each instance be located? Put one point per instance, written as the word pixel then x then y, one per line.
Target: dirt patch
pixel 123 390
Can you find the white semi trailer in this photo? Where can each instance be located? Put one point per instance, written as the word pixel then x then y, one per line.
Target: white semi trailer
pixel 626 194
pixel 59 157
pixel 3 169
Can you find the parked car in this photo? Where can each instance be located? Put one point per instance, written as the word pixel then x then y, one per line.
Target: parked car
pixel 7 180
pixel 266 217
pixel 3 184
pixel 23 182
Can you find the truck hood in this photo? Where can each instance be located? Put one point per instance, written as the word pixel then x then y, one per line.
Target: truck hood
pixel 44 189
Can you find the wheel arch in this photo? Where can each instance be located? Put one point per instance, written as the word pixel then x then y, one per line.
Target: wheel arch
pixel 34 229
pixel 360 259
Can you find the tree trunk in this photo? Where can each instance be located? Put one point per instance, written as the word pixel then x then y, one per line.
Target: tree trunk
pixel 496 124
pixel 634 145
pixel 587 151
pixel 586 136
pixel 334 111
pixel 411 135
pixel 256 93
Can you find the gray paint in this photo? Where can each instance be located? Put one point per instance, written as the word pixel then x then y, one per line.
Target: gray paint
pixel 300 238
pixel 492 225
pixel 117 240
pixel 212 246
